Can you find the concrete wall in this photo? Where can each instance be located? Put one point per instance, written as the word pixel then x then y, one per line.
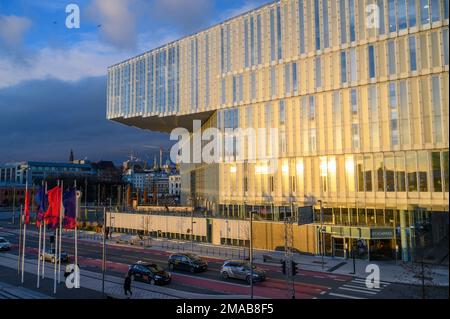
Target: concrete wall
pixel 267 235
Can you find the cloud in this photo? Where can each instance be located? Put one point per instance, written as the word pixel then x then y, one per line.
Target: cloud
pixel 118 21
pixel 12 32
pixel 185 16
pixel 55 116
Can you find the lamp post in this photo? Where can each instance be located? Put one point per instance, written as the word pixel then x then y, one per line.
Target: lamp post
pixel 321 231
pixel 104 252
pixel 251 252
pixel 192 234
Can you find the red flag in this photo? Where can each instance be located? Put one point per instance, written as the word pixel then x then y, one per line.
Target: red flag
pixel 51 216
pixel 27 207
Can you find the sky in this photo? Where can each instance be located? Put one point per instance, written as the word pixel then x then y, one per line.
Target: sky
pixel 53 79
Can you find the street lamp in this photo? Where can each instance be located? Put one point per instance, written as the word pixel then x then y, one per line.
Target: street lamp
pixel 192 235
pixel 321 231
pixel 251 251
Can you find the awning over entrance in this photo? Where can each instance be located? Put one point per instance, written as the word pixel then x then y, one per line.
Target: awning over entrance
pixel 360 232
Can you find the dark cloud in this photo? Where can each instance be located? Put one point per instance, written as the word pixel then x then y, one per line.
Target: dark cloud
pixel 42 120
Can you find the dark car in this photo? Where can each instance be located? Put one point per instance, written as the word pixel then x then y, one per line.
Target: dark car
pixel 49 255
pixel 4 244
pixel 188 262
pixel 150 273
pixel 240 269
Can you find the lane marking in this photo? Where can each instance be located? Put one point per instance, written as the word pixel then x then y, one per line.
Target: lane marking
pixel 359 291
pixel 345 296
pixel 364 288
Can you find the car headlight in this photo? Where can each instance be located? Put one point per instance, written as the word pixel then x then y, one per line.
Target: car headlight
pixel 158 277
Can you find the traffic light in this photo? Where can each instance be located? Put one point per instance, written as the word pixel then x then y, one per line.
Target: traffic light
pixel 283 267
pixel 294 268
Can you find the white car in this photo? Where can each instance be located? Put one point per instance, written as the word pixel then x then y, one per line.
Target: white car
pixel 4 244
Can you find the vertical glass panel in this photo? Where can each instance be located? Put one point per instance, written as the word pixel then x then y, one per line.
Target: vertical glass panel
pixel 390 172
pixel 343 67
pixel 282 113
pixel 318 67
pixel 445 169
pixel 436 171
pixel 437 123
pixel 435 50
pixel 411 168
pixel 424 12
pixel 272 35
pixel 412 13
pixel 435 10
pixel 371 61
pixel 350 173
pixel 360 173
pixel 368 167
pixel 301 26
pixel 446 9
pixel 317 23
pixel 259 37
pixel 355 135
pixel 412 53
pixel 351 14
pixel 253 86
pixel 391 57
pixel 273 82
pixel 246 48
pixel 445 44
pixel 287 79
pixel 404 114
pixel 312 108
pixel 337 118
pixel 343 21
pixel 392 16
pixel 354 101
pixel 294 78
pixel 379 172
pixel 279 37
pixel 353 70
pixel 326 40
pixel 373 116
pixel 401 11
pixel 312 139
pixel 400 170
pixel 382 14
pixel 422 164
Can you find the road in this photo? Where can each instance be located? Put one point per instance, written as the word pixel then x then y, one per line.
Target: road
pixel 308 284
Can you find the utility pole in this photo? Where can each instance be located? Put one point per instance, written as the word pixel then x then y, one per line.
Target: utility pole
pixel 289 257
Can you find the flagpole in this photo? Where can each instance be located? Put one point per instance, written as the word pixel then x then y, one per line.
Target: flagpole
pixel 24 229
pixel 43 237
pixel 55 254
pixel 76 241
pixel 60 231
pixel 40 235
pixel 20 241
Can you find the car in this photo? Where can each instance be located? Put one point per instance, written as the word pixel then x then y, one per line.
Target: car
pixel 150 273
pixel 188 262
pixel 240 269
pixel 49 255
pixel 4 244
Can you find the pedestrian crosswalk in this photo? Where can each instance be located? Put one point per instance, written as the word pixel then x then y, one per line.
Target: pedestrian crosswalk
pixel 357 289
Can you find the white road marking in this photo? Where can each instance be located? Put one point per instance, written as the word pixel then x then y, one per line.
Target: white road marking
pixel 345 296
pixel 360 291
pixel 363 287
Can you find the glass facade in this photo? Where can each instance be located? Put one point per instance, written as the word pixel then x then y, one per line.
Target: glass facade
pixel 362 112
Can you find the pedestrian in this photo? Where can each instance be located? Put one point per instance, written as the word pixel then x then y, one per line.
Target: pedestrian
pixel 127 285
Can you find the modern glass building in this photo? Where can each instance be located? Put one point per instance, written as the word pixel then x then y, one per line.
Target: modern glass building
pixel 358 93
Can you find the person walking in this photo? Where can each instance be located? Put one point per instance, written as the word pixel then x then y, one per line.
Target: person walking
pixel 127 286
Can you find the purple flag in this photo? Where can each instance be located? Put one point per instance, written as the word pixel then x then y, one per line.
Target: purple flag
pixel 70 207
